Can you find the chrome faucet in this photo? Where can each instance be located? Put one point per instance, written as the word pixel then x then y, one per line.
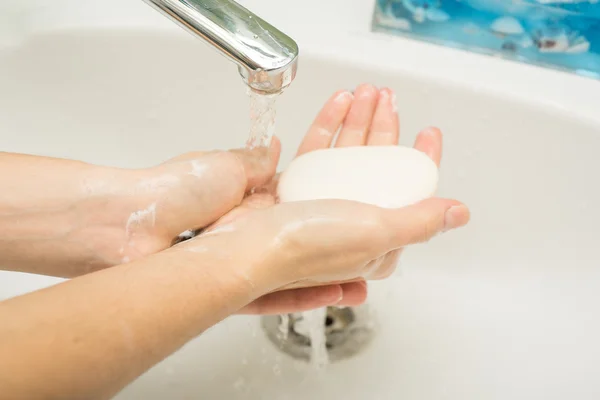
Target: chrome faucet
pixel 267 58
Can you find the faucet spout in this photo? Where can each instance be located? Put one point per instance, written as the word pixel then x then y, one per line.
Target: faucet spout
pixel 267 58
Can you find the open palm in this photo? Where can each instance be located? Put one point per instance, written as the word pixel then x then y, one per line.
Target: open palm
pixel 367 117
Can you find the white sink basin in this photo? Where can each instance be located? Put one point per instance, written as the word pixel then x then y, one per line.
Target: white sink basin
pixel 504 309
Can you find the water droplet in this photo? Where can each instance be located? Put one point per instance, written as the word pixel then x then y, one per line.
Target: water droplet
pixel 255 36
pixel 250 16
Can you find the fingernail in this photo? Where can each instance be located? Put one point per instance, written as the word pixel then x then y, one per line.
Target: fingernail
pixel 369 91
pixel 389 96
pixel 455 217
pixel 430 131
pixel 344 96
pixel 339 297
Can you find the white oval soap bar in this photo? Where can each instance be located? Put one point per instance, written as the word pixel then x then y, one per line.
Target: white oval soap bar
pixel 384 176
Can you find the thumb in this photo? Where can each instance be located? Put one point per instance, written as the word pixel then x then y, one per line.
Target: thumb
pixel 252 202
pixel 420 222
pixel 212 184
pixel 260 163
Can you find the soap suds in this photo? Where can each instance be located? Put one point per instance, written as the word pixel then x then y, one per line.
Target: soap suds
pixel 389 98
pixel 343 97
pixel 324 132
pixel 429 131
pixel 186 235
pixel 198 169
pixel 246 278
pixel 140 217
pixel 394 102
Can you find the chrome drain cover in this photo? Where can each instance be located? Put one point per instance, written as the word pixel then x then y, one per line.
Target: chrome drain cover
pixel 348 330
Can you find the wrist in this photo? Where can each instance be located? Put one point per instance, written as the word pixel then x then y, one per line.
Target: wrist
pixel 54 222
pixel 112 215
pixel 234 258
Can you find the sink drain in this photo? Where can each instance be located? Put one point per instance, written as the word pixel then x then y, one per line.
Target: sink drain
pixel 348 330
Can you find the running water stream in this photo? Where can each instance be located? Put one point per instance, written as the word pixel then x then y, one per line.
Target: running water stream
pixel 313 326
pixel 262 128
pixel 262 119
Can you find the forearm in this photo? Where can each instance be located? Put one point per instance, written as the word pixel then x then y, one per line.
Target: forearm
pixel 91 336
pixel 49 208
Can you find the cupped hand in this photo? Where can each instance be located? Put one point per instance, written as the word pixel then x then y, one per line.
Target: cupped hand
pixel 313 243
pixel 367 117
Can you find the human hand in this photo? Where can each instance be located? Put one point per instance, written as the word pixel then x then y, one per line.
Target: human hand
pixel 314 243
pixel 368 118
pixel 145 210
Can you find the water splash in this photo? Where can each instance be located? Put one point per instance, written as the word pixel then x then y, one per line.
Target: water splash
pixel 319 356
pixel 284 326
pixel 312 325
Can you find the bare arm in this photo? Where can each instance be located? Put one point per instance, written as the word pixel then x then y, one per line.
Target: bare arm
pixel 51 210
pixel 68 218
pixel 89 337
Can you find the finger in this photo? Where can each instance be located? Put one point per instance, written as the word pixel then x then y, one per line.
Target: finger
pixel 420 222
pixel 295 300
pixel 270 187
pixel 387 266
pixel 429 141
pixel 257 201
pixel 358 121
pixel 208 187
pixel 252 202
pixel 385 128
pixel 355 294
pixel 312 283
pixel 259 163
pixel 260 157
pixel 321 133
